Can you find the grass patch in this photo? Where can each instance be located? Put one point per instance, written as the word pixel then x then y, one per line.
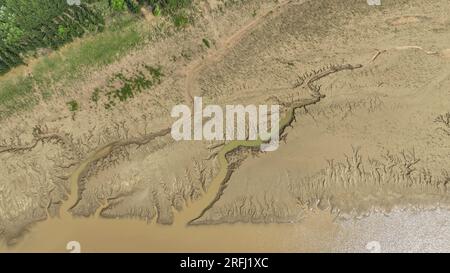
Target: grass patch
pixel 16 95
pixel 180 20
pixel 123 87
pixel 121 34
pixel 73 106
pixel 101 49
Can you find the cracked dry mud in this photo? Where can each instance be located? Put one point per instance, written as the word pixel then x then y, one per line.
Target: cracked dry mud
pixel 365 99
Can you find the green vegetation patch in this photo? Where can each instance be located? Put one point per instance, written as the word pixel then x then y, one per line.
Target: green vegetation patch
pixel 16 95
pixel 175 9
pixel 73 106
pixel 27 25
pixel 123 87
pixel 31 27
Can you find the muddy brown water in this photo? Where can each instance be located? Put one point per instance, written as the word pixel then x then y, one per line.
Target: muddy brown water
pixel 133 235
pixel 406 231
pixel 398 232
pixel 99 234
pixel 319 231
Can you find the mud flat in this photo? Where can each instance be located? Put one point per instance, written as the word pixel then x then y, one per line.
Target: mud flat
pixel 319 231
pixel 378 142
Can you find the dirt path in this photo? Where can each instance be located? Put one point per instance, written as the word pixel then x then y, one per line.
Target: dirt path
pixel 191 72
pixel 189 214
pixel 407 47
pixel 194 68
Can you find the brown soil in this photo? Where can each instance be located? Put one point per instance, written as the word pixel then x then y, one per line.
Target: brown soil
pixel 378 141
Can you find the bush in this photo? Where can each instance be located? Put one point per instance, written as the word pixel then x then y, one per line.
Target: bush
pixel 118 5
pixel 73 105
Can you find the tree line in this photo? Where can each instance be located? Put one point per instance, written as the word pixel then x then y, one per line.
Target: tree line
pixel 27 25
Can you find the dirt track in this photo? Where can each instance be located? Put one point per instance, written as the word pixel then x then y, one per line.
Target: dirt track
pixel 223 46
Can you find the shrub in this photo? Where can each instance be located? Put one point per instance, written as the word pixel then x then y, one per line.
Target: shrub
pixel 118 5
pixel 73 106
